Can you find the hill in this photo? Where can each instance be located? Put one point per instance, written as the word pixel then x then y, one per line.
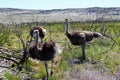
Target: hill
pixel 9 15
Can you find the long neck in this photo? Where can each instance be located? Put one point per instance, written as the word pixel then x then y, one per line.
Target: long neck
pixel 37 39
pixel 66 26
pixel 66 29
pixel 35 49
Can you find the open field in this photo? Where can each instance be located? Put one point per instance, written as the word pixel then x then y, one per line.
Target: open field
pixel 103 54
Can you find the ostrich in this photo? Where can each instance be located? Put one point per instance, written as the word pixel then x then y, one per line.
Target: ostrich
pixel 41 30
pixel 80 38
pixel 43 51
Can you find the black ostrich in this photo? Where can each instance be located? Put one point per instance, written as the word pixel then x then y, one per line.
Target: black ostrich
pixel 80 38
pixel 43 51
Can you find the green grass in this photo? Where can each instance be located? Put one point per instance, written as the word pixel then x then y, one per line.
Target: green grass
pixel 99 50
pixel 9 76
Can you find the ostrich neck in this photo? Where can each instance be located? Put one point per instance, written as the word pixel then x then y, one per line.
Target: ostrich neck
pixel 68 34
pixel 66 27
pixel 36 40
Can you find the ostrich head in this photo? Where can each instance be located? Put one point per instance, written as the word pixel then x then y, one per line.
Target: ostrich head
pixel 66 25
pixel 41 31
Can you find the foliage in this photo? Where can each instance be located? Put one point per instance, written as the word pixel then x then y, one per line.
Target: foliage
pixel 102 51
pixel 9 76
pixel 4 35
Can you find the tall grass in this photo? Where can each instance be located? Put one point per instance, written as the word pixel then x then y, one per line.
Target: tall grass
pixel 98 52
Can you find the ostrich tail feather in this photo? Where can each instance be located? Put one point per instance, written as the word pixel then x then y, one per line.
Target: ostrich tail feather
pixel 96 34
pixel 58 48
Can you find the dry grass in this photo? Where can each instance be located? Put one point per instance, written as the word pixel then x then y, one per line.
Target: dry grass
pixel 90 73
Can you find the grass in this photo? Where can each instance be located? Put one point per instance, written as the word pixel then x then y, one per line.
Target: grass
pixel 9 76
pixel 106 59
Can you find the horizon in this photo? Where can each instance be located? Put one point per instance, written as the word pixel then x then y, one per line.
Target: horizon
pixel 56 9
pixel 53 4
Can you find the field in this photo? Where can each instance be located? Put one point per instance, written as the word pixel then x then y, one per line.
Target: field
pixel 103 54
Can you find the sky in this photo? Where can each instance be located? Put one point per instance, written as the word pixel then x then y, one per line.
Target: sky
pixel 57 4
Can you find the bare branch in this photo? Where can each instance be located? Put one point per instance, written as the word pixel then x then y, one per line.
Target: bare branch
pixel 9 59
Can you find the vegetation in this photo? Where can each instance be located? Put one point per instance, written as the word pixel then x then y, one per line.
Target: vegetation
pixel 103 54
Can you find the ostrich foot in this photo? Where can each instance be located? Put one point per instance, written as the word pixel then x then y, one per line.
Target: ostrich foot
pixel 44 78
pixel 74 61
pixel 77 61
pixel 51 73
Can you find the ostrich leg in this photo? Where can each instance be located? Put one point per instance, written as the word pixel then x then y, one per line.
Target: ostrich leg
pixel 83 53
pixel 46 66
pixel 51 72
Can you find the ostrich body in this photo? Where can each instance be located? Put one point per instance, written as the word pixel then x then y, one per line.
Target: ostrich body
pixel 43 51
pixel 41 34
pixel 80 38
